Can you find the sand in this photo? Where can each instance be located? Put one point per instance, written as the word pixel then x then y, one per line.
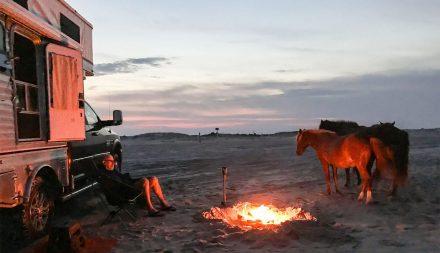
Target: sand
pixel 267 170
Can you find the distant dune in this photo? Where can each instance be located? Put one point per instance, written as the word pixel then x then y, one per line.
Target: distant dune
pixel 172 135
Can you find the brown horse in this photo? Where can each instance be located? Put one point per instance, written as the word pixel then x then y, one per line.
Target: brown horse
pixel 341 152
pixel 342 127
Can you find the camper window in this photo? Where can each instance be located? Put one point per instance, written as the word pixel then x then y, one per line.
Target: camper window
pixel 69 28
pixel 25 65
pixel 26 87
pixel 23 3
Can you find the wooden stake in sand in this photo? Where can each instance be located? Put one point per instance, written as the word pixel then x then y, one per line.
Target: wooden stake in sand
pixel 225 177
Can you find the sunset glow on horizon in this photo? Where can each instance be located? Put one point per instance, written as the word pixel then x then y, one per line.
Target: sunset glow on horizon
pixel 263 66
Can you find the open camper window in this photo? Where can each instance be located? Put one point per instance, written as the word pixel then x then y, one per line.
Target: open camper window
pixel 26 88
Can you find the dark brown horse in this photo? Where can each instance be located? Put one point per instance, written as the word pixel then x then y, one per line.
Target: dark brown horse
pixel 341 152
pixel 391 151
pixel 342 127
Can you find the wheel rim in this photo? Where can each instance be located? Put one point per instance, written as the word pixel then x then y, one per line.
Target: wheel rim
pixel 40 212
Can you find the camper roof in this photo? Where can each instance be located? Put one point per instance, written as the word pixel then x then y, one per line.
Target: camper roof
pixel 54 19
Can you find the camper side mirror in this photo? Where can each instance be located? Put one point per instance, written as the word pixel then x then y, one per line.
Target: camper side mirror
pixel 117 117
pixel 116 121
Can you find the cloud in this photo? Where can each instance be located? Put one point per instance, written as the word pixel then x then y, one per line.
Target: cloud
pixel 407 97
pixel 129 65
pixel 288 70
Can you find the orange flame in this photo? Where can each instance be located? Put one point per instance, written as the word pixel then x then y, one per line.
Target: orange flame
pixel 247 216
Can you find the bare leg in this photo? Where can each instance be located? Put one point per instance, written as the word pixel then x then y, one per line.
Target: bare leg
pixel 146 187
pixel 327 176
pixel 154 183
pixel 335 179
pixel 347 177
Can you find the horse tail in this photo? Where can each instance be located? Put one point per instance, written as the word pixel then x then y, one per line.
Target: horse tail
pixel 392 157
pixel 401 154
pixel 379 152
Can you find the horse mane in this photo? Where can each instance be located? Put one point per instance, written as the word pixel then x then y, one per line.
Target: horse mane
pixel 317 131
pixel 306 132
pixel 341 127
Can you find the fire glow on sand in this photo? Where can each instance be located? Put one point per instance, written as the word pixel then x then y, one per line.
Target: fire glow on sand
pixel 247 216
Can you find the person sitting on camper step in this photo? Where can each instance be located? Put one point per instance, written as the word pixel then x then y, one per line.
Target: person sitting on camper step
pixel 145 184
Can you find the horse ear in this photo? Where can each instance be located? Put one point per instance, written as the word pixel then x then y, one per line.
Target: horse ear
pixel 394 122
pixel 300 130
pixel 380 122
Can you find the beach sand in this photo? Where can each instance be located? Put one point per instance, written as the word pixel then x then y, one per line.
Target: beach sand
pixel 267 170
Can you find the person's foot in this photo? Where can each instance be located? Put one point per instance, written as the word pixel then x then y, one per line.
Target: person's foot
pixel 168 209
pixel 155 213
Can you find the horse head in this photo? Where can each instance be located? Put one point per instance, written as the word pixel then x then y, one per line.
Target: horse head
pixel 301 142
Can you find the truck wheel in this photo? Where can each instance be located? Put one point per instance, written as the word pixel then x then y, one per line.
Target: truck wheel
pixel 38 211
pixel 117 155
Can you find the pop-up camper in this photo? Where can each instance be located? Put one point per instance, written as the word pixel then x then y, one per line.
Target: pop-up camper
pixel 45 55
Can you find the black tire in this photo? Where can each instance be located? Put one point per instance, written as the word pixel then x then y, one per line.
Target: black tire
pixel 39 210
pixel 117 155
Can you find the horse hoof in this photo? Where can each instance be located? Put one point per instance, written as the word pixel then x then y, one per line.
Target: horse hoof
pixel 329 192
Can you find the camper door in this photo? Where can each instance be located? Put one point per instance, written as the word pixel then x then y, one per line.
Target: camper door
pixel 65 94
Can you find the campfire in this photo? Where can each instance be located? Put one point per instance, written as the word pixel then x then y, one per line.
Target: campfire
pixel 248 216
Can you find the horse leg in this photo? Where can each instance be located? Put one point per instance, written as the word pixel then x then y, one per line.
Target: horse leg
pixel 361 194
pixel 370 180
pixel 369 192
pixel 327 175
pixel 394 185
pixel 376 174
pixel 366 184
pixel 393 189
pixel 347 177
pixel 335 179
pixel 358 176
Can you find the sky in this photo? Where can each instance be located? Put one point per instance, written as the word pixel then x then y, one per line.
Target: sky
pixel 263 66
